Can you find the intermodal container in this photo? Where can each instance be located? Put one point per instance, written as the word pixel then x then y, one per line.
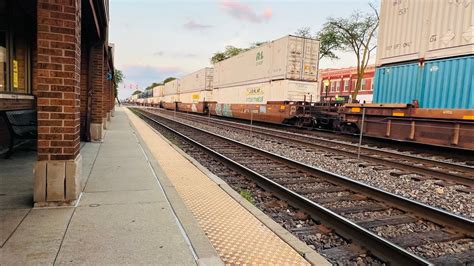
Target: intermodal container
pixel 437 84
pixel 197 81
pixel 424 29
pixel 158 91
pixel 290 57
pixel 172 87
pixel 196 96
pixel 263 92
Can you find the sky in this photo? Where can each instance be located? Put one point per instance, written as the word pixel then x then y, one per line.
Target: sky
pixel 156 39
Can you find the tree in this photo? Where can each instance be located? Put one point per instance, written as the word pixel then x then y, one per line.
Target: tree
pixel 168 80
pixel 255 45
pixel 118 78
pixel 154 84
pixel 217 57
pixel 328 41
pixel 229 52
pixel 356 33
pixel 304 32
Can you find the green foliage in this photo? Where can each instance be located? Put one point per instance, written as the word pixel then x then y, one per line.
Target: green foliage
pixel 247 195
pixel 217 57
pixel 228 53
pixel 328 42
pixel 231 51
pixel 118 78
pixel 154 84
pixel 168 80
pixel 304 32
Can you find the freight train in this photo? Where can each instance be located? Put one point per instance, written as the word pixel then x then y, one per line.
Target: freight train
pixel 423 89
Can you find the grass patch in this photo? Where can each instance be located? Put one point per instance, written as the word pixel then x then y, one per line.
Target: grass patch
pixel 247 195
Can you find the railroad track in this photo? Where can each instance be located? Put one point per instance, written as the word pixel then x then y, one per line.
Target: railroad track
pixel 393 228
pixel 451 173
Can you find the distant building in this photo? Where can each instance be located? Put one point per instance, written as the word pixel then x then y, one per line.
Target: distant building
pixel 342 82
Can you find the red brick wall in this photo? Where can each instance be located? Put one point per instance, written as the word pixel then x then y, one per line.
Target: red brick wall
pixel 105 96
pixel 57 78
pixel 84 86
pixel 97 83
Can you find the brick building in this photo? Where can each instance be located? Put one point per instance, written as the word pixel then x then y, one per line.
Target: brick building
pixel 55 58
pixel 342 82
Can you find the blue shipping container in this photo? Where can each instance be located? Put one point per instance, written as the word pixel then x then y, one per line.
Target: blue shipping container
pixel 438 84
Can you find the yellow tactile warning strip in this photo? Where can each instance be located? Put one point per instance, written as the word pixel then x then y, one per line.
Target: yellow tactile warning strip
pixel 238 237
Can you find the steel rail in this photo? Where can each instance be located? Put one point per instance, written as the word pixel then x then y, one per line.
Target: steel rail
pixel 409 165
pixel 378 245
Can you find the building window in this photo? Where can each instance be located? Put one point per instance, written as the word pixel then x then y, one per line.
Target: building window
pixel 354 83
pixel 346 85
pixel 362 87
pixel 371 86
pixel 338 86
pixel 333 86
pixel 15 50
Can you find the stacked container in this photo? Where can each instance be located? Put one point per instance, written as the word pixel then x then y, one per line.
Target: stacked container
pixel 197 81
pixel 158 91
pixel 171 87
pixel 197 86
pixel 425 53
pixel 292 60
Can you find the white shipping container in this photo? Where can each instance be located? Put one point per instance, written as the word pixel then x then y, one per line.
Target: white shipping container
pixel 428 29
pixel 196 97
pixel 451 29
pixel 172 98
pixel 171 87
pixel 289 57
pixel 197 81
pixel 155 100
pixel 158 91
pixel 261 93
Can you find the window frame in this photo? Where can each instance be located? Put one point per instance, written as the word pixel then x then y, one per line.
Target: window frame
pixel 363 84
pixel 347 82
pixel 7 61
pixel 10 34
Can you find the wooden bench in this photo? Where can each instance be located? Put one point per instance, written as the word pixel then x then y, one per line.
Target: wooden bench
pixel 22 124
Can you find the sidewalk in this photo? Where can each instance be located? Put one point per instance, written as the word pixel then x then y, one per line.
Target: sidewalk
pixel 123 217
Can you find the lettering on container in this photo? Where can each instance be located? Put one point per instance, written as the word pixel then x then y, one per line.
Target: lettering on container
pixel 259 58
pixel 195 98
pixel 254 95
pixel 403 11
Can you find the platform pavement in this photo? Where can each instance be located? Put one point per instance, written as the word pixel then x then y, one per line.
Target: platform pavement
pixel 123 217
pixel 241 233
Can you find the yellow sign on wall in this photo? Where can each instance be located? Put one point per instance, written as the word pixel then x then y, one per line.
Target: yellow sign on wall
pixel 15 74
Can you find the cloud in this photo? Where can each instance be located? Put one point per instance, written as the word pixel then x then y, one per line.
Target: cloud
pixel 193 25
pixel 242 11
pixel 174 54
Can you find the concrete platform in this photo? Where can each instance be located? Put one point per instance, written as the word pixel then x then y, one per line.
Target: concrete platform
pixel 145 202
pixel 241 234
pixel 123 217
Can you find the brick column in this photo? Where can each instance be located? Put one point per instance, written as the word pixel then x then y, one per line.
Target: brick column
pixel 58 178
pixel 84 88
pixel 105 96
pixel 97 115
